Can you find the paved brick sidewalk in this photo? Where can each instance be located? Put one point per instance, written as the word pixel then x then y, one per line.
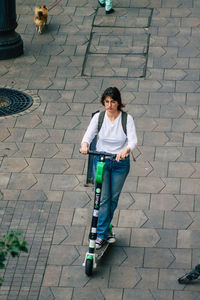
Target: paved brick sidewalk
pixel 150 50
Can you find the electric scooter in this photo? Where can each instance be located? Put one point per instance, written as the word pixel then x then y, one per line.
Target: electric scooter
pixel 93 255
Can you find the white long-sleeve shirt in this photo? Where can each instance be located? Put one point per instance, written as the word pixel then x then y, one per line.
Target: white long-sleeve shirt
pixel 111 137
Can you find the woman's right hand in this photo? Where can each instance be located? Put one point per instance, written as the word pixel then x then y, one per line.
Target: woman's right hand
pixel 84 148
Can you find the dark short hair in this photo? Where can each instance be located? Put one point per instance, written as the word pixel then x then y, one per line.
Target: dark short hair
pixel 114 93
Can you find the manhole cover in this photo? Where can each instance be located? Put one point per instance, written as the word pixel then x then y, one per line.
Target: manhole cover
pixel 13 102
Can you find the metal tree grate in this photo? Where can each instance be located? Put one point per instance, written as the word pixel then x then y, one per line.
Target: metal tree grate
pixel 13 102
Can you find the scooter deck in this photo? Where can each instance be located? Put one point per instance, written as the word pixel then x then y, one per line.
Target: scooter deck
pixel 100 252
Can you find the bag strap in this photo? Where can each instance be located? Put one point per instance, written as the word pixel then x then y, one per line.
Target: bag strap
pixel 124 120
pixel 100 120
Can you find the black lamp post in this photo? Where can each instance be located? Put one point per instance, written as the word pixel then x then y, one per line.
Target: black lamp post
pixel 11 44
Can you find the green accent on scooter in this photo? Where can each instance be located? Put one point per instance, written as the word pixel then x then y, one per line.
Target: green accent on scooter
pixel 89 257
pixel 100 172
pixel 110 229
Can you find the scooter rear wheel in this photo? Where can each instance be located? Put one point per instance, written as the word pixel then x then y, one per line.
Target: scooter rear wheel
pixel 89 267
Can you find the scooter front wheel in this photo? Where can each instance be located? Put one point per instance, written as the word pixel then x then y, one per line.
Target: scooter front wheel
pixel 89 266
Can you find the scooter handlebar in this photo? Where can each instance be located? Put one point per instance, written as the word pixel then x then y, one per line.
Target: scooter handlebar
pixel 93 152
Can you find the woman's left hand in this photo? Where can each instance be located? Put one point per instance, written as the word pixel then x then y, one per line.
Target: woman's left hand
pixel 122 154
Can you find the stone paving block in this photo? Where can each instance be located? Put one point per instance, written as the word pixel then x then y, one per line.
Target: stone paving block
pixel 73 276
pixel 66 122
pixel 28 122
pixel 180 169
pixel 191 139
pixel 134 257
pixel 82 251
pixel 131 218
pixel 188 86
pixel 55 136
pixel 57 293
pixel 20 181
pixel 146 152
pixel 162 294
pixel 65 235
pixel 41 181
pixel 65 217
pixel 137 294
pixel 76 166
pixel 190 186
pixel 195 224
pixel 81 217
pixel 150 185
pixel 126 201
pixel 163 202
pixel 168 279
pixel 159 169
pixel 174 74
pixel 150 85
pixel 192 99
pixel 162 125
pixel 192 74
pixel 87 293
pixel 149 278
pixel 100 278
pixel 188 239
pixel 12 135
pixel 197 203
pixel 112 294
pixel 155 219
pixel 54 166
pixel 74 199
pixel 12 165
pixel 188 154
pixel 62 255
pixel 159 258
pixel 51 277
pixel 123 277
pixel 39 135
pixel 41 150
pixel 73 136
pixel 171 111
pixel 141 201
pixel 57 108
pixel 144 237
pixel 177 220
pixel 130 184
pixel 186 203
pixel 186 295
pixel 167 238
pixel 34 165
pixel 174 139
pixel 145 124
pixel 9 194
pixel 182 258
pixel 122 235
pixel 32 195
pixel 155 138
pixel 136 110
pixel 172 185
pixel 64 182
pixel 183 125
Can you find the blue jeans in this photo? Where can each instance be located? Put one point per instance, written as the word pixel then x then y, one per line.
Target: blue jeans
pixel 108 4
pixel 114 177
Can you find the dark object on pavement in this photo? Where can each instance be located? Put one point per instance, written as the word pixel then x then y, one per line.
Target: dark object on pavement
pixel 189 277
pixel 111 11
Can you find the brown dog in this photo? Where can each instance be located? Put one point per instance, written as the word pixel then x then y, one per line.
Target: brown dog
pixel 41 16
